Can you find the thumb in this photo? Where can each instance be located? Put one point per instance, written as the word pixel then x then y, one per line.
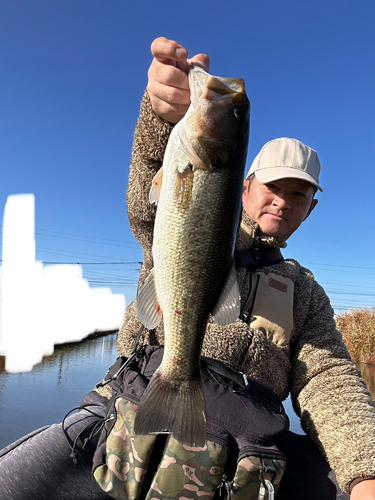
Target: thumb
pixel 201 60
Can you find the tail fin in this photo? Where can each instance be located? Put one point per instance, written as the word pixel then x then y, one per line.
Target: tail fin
pixel 173 407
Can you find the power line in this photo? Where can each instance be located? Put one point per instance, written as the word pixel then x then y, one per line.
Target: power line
pixel 338 265
pixel 85 236
pixel 346 284
pixel 62 252
pixel 126 245
pixel 130 262
pixel 348 292
pixel 116 281
pixel 81 236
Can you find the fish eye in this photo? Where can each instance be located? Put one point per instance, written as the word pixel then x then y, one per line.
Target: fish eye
pixel 239 112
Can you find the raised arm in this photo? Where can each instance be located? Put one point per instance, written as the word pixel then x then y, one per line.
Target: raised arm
pixel 165 102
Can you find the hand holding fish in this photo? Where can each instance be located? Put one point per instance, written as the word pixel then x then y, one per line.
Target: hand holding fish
pixel 168 83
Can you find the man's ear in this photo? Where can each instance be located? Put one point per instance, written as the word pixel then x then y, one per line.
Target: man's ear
pixel 312 206
pixel 245 189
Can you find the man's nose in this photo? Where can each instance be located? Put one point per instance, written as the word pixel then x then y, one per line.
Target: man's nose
pixel 281 202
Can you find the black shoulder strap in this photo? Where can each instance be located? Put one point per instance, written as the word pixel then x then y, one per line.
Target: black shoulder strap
pixel 255 258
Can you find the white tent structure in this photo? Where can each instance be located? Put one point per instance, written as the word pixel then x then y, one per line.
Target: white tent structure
pixel 41 306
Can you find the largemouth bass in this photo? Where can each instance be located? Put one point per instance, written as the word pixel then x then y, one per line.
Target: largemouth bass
pixel 198 192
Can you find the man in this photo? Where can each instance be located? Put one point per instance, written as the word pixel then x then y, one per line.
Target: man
pixel 290 342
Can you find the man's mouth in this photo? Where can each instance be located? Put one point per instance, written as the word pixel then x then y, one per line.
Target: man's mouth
pixel 275 216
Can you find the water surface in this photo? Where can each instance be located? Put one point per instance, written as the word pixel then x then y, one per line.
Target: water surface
pixel 43 396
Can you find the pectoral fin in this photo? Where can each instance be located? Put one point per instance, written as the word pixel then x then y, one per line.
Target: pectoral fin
pixel 228 306
pixel 156 187
pixel 148 306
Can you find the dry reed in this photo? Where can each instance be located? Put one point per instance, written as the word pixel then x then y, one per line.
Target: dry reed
pixel 358 331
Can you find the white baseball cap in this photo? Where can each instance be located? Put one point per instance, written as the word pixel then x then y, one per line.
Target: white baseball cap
pixel 284 157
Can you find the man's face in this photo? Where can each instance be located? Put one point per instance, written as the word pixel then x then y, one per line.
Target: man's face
pixel 279 207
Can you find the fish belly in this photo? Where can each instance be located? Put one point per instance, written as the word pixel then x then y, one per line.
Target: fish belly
pixel 193 244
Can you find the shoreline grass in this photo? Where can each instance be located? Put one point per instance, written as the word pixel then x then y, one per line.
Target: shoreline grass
pixel 358 332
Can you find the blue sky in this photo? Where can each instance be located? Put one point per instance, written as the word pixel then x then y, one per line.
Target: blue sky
pixel 72 74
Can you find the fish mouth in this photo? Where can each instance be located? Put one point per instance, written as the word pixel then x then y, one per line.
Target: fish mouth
pixel 214 88
pixel 219 109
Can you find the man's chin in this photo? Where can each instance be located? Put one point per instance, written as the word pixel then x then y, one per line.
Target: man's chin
pixel 274 233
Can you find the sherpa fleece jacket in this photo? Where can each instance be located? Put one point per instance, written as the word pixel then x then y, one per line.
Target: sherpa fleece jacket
pixel 299 351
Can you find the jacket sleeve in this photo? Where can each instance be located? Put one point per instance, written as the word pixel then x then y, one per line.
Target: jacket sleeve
pixel 335 406
pixel 149 143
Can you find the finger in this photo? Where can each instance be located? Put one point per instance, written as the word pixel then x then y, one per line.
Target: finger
pixel 171 114
pixel 165 50
pixel 168 93
pixel 165 74
pixel 168 102
pixel 201 60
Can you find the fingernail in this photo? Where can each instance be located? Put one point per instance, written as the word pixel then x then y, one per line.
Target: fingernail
pixel 204 65
pixel 181 53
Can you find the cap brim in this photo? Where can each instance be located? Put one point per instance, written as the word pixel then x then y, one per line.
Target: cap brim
pixel 265 175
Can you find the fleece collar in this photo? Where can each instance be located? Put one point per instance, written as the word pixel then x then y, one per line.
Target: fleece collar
pixel 249 233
